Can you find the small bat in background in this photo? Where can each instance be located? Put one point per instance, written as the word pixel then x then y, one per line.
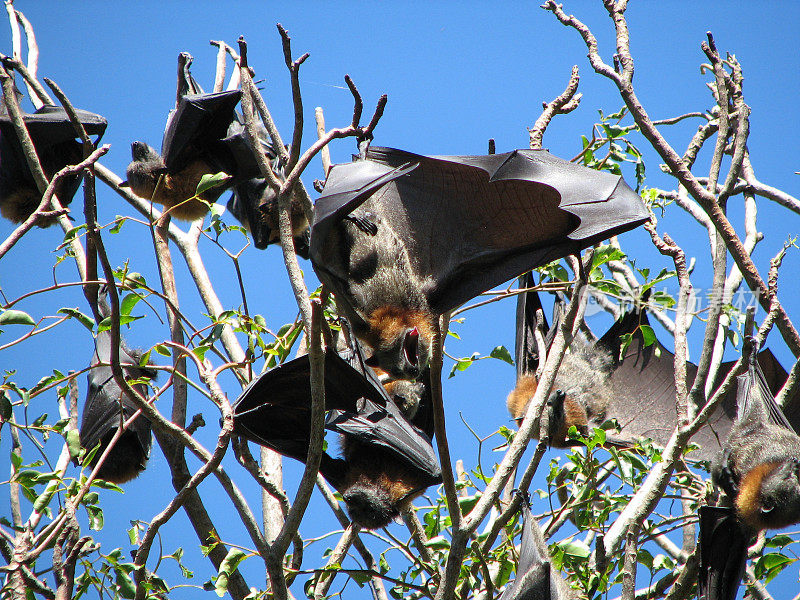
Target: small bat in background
pixel 107 406
pixel 387 460
pixel 201 138
pixel 54 139
pixel 582 382
pixel 636 387
pixel 402 238
pixel 536 579
pixel 255 205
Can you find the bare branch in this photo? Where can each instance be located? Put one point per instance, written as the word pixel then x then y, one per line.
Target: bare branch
pixel 563 104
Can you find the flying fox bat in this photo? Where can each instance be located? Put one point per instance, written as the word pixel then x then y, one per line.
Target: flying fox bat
pixel 402 238
pixel 759 471
pixel 759 466
pixel 255 206
pixel 203 136
pixel 107 405
pixel 636 388
pixel 723 553
pixel 387 460
pixel 536 579
pixel 644 396
pixel 53 137
pixel 582 381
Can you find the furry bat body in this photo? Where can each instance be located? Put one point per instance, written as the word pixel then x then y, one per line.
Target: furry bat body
pixel 759 467
pixel 583 377
pixel 402 238
pixel 53 138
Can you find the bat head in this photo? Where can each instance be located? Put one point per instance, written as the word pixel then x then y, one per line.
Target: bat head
pixel 140 151
pixel 401 341
pixel 377 484
pixel 769 496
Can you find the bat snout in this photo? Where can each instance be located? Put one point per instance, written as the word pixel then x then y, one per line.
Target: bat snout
pixel 369 507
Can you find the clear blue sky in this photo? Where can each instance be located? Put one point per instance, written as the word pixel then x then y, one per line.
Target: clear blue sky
pixel 456 75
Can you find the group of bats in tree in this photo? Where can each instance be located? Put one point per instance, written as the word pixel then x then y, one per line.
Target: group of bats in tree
pixel 401 239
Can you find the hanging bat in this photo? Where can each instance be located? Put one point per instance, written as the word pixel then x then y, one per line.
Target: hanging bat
pixel 402 238
pixel 723 553
pixel 107 405
pixel 637 388
pixel 387 461
pixel 644 395
pixel 583 390
pixel 759 466
pixel 536 579
pixel 54 139
pixel 203 136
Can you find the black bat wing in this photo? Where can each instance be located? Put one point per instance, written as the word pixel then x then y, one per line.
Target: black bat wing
pixel 644 394
pixel 533 571
pixel 101 413
pixel 723 553
pixel 472 222
pixel 275 409
pixel 526 350
pixel 383 425
pixel 196 128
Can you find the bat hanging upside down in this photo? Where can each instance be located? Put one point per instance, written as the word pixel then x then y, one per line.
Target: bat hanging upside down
pixel 583 393
pixel 759 467
pixel 402 238
pixel 175 189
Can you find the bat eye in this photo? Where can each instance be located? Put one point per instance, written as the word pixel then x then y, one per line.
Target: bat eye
pixel 767 506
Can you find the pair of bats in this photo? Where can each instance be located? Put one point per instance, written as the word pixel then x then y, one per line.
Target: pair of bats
pixel 107 405
pixel 54 139
pixel 205 135
pixel 400 239
pixel 758 466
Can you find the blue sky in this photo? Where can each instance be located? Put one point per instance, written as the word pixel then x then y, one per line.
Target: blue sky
pixel 456 75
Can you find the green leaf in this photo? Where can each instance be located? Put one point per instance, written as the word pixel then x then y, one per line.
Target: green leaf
pixel 228 565
pixel 127 589
pixel 127 304
pixel 73 233
pixel 83 319
pixel 73 443
pixel 95 517
pixel 575 549
pixel 211 181
pixel 360 577
pixel 105 324
pixel 648 335
pixel 502 353
pixel 16 317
